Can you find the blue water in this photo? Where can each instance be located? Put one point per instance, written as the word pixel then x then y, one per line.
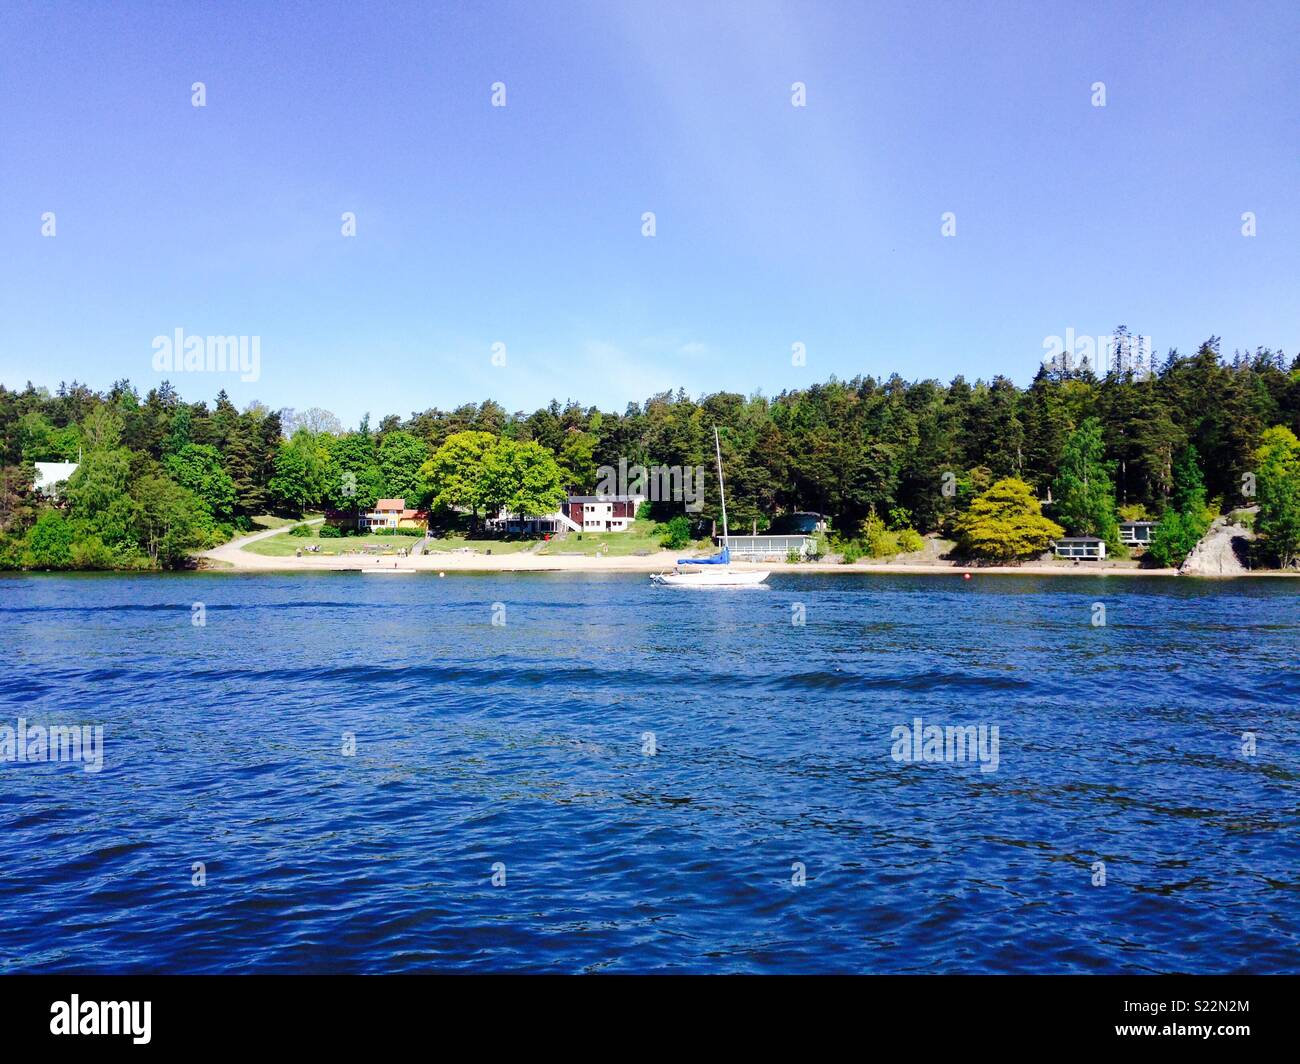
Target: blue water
pixel 522 744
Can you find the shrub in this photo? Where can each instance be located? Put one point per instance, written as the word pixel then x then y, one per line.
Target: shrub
pixel 49 543
pixel 330 532
pixel 677 533
pixel 303 531
pixel 92 553
pixel 1175 537
pixel 793 557
pixel 1005 523
pixel 900 518
pixel 910 541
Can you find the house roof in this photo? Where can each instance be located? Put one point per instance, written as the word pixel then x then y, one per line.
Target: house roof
pixel 1135 524
pixel 390 504
pixel 414 513
pixel 606 498
pixel 50 473
pixel 1078 539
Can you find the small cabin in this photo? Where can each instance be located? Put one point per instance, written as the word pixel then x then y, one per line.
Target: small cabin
pixel 768 548
pixel 1137 533
pixel 1088 548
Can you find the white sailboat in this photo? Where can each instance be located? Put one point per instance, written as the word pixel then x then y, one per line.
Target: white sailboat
pixel 715 571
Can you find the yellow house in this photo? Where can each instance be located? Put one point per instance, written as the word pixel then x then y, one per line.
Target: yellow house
pixel 393 513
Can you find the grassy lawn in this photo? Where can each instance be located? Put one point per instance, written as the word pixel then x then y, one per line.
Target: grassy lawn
pixel 643 535
pixel 496 546
pixel 285 545
pixel 262 522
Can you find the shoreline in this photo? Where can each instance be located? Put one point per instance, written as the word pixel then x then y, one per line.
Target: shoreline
pixel 231 557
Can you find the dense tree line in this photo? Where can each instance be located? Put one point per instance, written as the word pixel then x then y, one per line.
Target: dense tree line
pixel 160 475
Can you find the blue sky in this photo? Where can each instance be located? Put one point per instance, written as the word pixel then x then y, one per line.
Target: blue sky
pixel 522 225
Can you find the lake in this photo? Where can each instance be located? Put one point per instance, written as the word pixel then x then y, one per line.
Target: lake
pixel 348 773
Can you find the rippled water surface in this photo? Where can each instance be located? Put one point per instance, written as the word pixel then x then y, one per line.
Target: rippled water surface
pixel 523 744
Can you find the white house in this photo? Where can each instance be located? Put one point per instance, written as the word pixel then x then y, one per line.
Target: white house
pixel 768 548
pixel 1137 533
pixel 50 475
pixel 601 513
pixel 578 513
pixel 1086 547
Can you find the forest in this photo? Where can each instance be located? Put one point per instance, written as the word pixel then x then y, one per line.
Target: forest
pixel 160 476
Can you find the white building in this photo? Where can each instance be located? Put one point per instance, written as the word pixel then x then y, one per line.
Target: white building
pixel 578 513
pixel 1085 547
pixel 768 548
pixel 51 475
pixel 1137 533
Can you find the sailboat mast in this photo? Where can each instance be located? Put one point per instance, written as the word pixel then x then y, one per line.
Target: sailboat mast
pixel 722 491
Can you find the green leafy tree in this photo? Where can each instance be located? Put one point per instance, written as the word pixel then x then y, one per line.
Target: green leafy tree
pixel 102 429
pixel 1277 480
pixel 578 461
pixel 40 441
pixel 182 431
pixel 197 467
pixel 1186 520
pixel 1005 523
pixel 352 477
pixel 1174 538
pixel 522 478
pixel 49 543
pixel 97 495
pixel 170 521
pixel 401 457
pixel 293 484
pixel 455 472
pixel 299 469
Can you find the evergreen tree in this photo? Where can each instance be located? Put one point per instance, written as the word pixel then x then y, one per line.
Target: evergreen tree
pixel 1083 492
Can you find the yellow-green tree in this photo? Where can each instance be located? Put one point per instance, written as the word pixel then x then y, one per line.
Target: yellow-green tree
pixel 1005 523
pixel 1277 461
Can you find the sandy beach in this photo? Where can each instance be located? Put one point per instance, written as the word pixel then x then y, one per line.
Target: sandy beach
pixel 232 557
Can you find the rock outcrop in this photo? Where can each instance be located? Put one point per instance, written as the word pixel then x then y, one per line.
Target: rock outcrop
pixel 1224 550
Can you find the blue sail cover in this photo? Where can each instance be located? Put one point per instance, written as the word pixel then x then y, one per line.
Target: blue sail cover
pixel 718 559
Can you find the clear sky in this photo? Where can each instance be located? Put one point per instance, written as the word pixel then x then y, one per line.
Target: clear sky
pixel 522 224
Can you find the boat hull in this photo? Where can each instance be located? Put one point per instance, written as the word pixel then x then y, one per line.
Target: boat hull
pixel 703 578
